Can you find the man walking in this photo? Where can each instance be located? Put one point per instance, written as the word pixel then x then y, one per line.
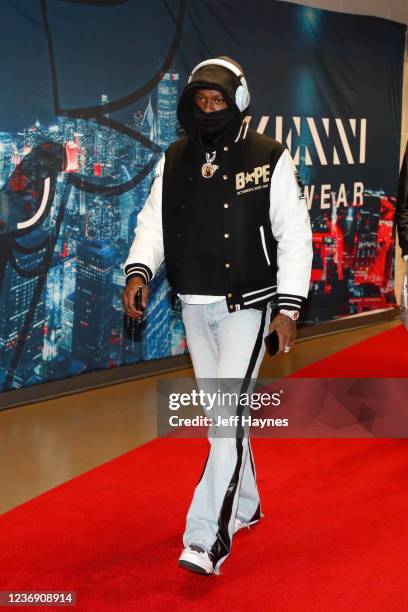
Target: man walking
pixel 226 213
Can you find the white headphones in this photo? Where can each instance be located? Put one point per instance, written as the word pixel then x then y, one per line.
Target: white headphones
pixel 242 97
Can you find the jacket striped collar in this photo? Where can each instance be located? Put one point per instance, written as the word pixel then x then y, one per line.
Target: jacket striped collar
pixel 242 133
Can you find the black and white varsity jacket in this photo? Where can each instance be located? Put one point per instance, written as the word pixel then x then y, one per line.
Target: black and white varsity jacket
pixel 244 232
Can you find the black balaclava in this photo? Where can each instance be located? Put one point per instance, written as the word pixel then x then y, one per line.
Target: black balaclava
pixel 206 130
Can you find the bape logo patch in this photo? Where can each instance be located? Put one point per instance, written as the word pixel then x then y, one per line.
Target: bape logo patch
pixel 252 181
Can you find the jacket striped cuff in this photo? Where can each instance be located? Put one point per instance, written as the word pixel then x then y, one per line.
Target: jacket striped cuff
pixel 138 270
pixel 290 302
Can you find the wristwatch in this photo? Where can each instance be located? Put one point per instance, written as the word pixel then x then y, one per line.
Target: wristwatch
pixel 292 314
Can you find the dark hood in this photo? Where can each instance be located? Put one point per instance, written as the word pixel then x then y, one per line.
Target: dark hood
pixel 216 77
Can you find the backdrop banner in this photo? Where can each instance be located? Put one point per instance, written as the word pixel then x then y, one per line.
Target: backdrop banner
pixel 89 96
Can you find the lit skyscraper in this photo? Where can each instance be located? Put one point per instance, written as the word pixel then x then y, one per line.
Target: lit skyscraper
pixel 53 309
pixel 6 156
pixel 132 226
pixel 67 318
pixel 93 301
pixel 16 297
pixel 105 100
pixel 103 215
pixel 167 108
pixel 127 205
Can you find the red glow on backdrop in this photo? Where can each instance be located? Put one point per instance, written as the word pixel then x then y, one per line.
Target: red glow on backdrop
pixel 98 169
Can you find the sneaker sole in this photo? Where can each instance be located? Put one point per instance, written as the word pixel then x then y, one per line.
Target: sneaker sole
pixel 192 567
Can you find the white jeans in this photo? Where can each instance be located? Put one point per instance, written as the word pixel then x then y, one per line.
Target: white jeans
pixel 226 350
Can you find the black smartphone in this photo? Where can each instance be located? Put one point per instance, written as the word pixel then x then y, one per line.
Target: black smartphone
pixel 272 343
pixel 138 299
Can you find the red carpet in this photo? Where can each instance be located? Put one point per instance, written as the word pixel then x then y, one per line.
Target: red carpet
pixel 382 356
pixel 334 537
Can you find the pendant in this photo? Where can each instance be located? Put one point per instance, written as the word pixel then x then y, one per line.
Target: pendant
pixel 208 169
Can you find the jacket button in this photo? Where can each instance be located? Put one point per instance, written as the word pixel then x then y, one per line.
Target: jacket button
pixel 227 265
pixel 224 176
pixel 231 307
pixel 226 205
pixel 178 234
pixel 182 205
pixel 226 148
pixel 226 235
pixel 229 294
pixel 177 263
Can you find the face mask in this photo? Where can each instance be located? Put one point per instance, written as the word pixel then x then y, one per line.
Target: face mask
pixel 213 123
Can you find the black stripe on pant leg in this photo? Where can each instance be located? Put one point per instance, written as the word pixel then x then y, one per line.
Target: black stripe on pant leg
pixel 257 514
pixel 252 461
pixel 222 544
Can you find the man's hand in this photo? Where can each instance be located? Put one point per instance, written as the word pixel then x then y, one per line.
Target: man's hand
pixel 128 297
pixel 286 330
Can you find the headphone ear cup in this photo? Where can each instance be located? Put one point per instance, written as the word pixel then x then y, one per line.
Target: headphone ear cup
pixel 239 97
pixel 246 98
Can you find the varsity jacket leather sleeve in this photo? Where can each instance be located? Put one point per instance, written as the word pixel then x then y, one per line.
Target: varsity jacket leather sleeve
pixel 290 223
pixel 146 252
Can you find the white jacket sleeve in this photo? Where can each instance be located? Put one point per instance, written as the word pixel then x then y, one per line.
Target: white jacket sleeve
pixel 290 224
pixel 146 252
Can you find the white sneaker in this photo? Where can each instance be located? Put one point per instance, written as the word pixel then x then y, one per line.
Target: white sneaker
pixel 196 559
pixel 241 524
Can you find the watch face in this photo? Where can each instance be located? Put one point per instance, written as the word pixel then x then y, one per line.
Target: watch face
pixel 292 314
